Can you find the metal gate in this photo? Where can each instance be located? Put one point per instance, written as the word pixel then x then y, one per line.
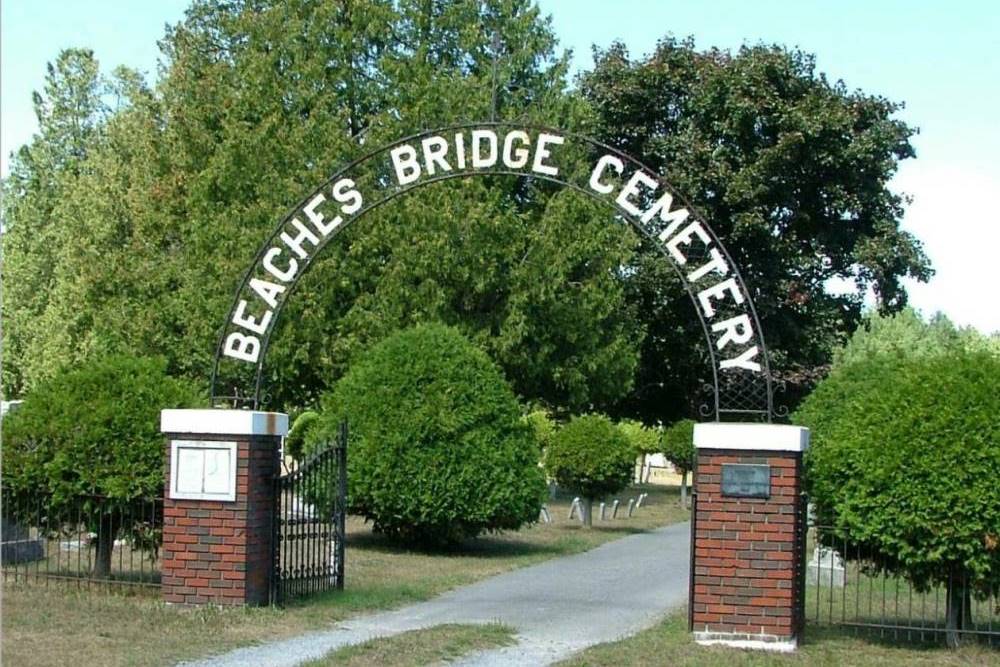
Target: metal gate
pixel 308 524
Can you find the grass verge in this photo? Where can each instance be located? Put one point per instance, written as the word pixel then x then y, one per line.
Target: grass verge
pixel 419 647
pixel 670 643
pixel 59 625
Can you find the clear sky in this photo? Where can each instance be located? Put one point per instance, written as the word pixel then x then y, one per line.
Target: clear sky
pixel 940 58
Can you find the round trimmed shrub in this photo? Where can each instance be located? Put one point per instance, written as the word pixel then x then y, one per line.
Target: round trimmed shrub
pixel 905 459
pixel 592 457
pixel 296 438
pixel 93 430
pixel 438 451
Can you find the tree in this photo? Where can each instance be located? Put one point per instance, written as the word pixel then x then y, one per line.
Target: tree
pixel 439 451
pixel 790 170
pixel 644 441
pixel 678 448
pixel 592 457
pixel 260 101
pixel 903 462
pixel 93 430
pixel 906 335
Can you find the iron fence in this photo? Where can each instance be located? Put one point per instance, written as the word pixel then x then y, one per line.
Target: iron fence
pixel 84 540
pixel 849 586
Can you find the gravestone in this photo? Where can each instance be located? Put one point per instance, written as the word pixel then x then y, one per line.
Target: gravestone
pixel 18 546
pixel 826 568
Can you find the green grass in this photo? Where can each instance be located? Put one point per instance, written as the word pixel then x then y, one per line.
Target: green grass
pixel 58 624
pixel 419 647
pixel 669 642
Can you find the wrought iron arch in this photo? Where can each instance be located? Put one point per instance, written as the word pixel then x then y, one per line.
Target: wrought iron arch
pixel 741 384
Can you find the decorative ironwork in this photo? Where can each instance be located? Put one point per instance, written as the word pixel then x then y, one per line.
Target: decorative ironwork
pixel 741 384
pixel 309 523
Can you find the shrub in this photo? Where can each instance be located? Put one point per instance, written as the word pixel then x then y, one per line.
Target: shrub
pixel 543 426
pixel 643 440
pixel 904 459
pixel 295 441
pixel 93 430
pixel 592 457
pixel 438 449
pixel 678 448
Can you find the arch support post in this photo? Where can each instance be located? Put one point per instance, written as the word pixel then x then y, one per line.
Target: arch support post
pixel 748 535
pixel 218 509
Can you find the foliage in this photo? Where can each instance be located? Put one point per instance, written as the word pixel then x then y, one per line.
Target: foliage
pixel 906 335
pixel 678 444
pixel 543 426
pixel 591 456
pixel 790 170
pixel 904 458
pixel 174 189
pixel 438 449
pixel 642 439
pixel 295 441
pixel 94 429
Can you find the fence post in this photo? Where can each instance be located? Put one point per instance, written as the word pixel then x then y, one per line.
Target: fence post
pixel 748 551
pixel 218 508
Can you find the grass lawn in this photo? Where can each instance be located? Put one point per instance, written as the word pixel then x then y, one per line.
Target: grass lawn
pixel 669 643
pixel 419 647
pixel 59 625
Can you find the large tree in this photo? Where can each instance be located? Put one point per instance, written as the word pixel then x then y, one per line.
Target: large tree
pixel 259 102
pixel 790 170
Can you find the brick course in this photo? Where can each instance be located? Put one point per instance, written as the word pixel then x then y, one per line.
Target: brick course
pixel 220 552
pixel 746 569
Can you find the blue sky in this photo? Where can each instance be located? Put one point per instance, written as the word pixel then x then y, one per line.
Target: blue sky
pixel 940 58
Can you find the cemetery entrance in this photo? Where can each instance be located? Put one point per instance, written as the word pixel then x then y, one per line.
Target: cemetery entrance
pixel 308 524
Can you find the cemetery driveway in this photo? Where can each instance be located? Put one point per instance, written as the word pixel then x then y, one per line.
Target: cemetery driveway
pixel 557 607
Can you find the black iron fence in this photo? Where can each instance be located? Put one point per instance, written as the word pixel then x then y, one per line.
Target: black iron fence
pixel 849 586
pixel 83 540
pixel 309 520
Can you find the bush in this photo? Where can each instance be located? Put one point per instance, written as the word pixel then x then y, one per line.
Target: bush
pixel 438 449
pixel 678 448
pixel 295 441
pixel 542 425
pixel 93 430
pixel 592 457
pixel 905 457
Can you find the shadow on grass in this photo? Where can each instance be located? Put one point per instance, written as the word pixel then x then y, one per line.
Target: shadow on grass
pixel 567 540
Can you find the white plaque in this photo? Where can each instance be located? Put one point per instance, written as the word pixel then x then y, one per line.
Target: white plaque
pixel 203 470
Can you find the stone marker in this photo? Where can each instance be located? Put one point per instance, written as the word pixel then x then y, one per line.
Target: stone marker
pixel 631 507
pixel 18 545
pixel 603 507
pixel 614 509
pixel 825 568
pixel 575 507
pixel 545 514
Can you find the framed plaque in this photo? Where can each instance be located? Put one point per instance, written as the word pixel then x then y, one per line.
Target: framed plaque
pixel 203 470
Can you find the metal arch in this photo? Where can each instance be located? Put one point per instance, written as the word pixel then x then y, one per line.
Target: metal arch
pixel 717 409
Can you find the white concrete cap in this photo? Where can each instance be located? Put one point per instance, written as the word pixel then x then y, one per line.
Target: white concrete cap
pixel 763 437
pixel 224 422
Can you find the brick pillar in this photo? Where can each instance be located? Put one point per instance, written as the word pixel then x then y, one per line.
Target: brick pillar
pixel 218 505
pixel 746 575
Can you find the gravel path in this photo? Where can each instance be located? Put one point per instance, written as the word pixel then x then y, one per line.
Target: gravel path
pixel 557 608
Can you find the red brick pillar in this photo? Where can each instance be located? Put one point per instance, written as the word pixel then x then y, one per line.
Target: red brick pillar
pixel 218 505
pixel 746 576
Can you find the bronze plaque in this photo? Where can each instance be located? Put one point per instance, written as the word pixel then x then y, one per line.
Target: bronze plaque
pixel 744 480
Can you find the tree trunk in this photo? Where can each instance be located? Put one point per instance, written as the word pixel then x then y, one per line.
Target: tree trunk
pixel 958 609
pixel 587 507
pixel 104 547
pixel 684 478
